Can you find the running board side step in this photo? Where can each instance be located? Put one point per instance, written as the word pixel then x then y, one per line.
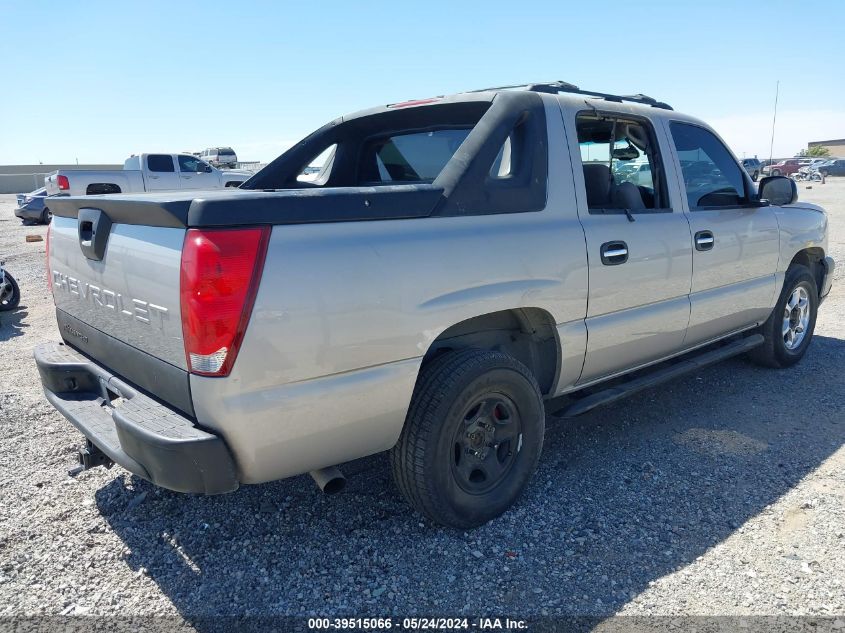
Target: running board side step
pixel 663 374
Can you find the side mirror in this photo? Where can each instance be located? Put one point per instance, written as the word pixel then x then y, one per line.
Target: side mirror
pixel 778 190
pixel 207 169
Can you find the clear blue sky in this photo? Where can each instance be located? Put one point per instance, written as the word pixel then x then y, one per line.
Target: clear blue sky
pixel 99 80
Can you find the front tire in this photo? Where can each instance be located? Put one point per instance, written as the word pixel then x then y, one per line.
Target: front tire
pixel 46 216
pixel 472 437
pixel 776 172
pixel 789 328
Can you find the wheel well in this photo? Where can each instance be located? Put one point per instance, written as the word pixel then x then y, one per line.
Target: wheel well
pixel 812 259
pixel 96 188
pixel 527 334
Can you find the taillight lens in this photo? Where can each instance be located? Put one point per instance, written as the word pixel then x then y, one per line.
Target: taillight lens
pixel 63 183
pixel 47 255
pixel 221 270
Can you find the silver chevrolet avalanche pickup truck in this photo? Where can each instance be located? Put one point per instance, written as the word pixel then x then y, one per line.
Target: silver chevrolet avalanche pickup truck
pixel 455 262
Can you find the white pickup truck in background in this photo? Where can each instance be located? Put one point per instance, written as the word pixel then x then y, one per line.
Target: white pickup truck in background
pixel 145 172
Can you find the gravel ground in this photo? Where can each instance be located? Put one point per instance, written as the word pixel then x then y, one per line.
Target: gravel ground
pixel 721 493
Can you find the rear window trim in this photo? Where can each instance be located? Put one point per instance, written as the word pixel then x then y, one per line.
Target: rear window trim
pixel 463 182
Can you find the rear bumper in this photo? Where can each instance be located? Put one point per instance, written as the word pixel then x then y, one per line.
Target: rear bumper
pixel 827 278
pixel 28 214
pixel 141 434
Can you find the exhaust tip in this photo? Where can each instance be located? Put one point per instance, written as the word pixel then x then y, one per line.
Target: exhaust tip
pixel 335 485
pixel 329 480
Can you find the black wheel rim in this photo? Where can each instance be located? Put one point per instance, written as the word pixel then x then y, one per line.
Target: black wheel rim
pixel 486 443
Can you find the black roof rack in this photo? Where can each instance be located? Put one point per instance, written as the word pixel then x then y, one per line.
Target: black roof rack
pixel 555 87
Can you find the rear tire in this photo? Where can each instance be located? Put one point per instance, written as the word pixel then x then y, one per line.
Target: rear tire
pixel 472 437
pixel 46 216
pixel 789 328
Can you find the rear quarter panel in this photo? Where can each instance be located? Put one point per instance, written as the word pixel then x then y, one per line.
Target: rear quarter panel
pixel 345 313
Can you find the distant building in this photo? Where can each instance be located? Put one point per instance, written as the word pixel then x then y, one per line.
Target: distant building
pixel 836 147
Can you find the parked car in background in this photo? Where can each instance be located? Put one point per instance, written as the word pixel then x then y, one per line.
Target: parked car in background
pixel 220 156
pixel 753 167
pixel 144 172
pixel 32 206
pixel 785 167
pixel 641 175
pixel 834 167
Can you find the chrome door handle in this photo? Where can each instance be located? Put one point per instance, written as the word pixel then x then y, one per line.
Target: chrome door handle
pixel 704 240
pixel 186 177
pixel 154 177
pixel 614 253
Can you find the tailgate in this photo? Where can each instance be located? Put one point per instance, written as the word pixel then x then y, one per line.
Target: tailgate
pixel 115 281
pixel 132 293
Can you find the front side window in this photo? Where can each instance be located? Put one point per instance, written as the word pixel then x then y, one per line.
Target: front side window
pixel 160 163
pixel 417 157
pixel 621 164
pixel 191 164
pixel 712 177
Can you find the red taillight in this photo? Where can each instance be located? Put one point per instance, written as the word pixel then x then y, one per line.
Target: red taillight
pixel 63 183
pixel 47 252
pixel 221 269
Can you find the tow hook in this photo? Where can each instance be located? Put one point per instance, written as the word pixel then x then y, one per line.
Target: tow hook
pixel 89 456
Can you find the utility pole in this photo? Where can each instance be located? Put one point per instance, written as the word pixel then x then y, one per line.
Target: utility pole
pixel 774 118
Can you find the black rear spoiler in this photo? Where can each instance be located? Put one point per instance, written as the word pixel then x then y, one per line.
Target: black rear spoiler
pixel 236 207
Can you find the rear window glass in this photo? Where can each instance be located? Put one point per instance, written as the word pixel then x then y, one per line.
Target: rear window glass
pixel 412 157
pixel 160 162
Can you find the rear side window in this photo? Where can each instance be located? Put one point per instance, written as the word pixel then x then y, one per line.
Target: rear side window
pixel 712 177
pixel 160 163
pixel 416 157
pixel 621 164
pixel 319 168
